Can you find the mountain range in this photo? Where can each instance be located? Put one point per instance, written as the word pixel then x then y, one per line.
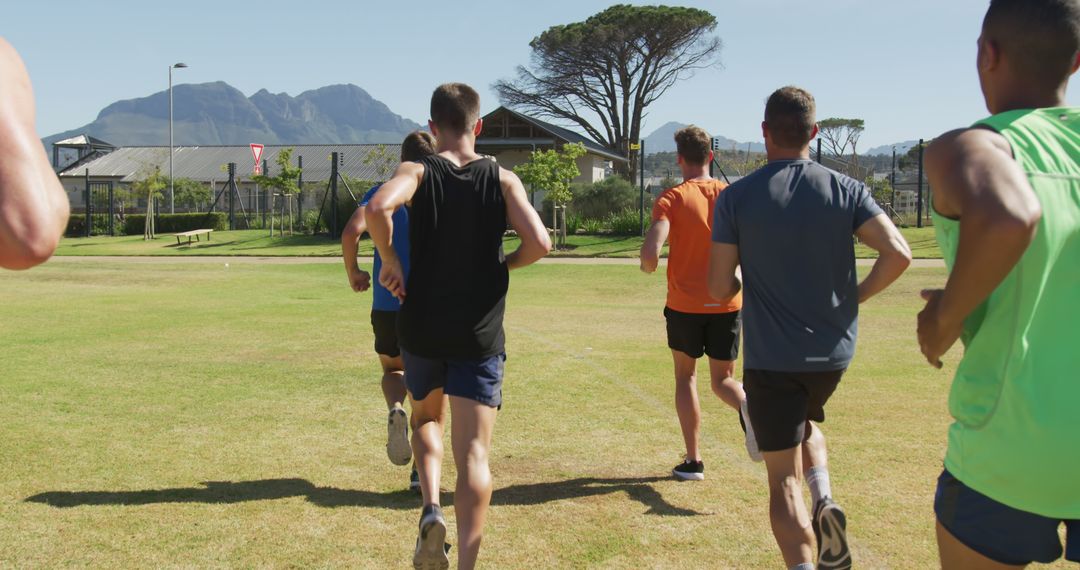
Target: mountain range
pixel 662 140
pixel 219 114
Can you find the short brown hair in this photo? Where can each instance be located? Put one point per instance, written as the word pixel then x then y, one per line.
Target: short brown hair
pixel 455 107
pixel 693 144
pixel 790 116
pixel 1041 36
pixel 417 145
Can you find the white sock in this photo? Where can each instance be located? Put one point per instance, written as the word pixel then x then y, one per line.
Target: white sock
pixel 803 566
pixel 817 478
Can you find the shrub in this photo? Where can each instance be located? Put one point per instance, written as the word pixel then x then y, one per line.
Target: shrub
pixel 625 223
pixel 601 199
pixel 592 226
pixel 346 207
pixel 135 224
pixel 307 222
pixel 76 226
pixel 573 223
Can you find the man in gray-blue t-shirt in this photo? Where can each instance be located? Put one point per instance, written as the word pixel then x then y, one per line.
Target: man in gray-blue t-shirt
pixel 790 226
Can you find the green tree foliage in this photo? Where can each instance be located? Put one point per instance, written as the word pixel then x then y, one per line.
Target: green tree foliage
pixel 880 189
pixel 191 193
pixel 839 134
pixel 603 73
pixel 552 170
pixel 150 183
pixel 599 200
pixel 384 160
pixel 910 159
pixel 284 183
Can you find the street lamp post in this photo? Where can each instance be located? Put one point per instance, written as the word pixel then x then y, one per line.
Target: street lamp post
pixel 172 203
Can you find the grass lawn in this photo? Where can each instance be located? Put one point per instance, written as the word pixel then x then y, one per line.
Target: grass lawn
pixel 197 415
pixel 258 243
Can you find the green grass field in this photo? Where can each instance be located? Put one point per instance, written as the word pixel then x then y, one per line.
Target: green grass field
pixel 201 416
pixel 259 243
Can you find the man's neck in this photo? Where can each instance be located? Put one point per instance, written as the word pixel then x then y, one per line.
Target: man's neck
pixel 462 148
pixel 1022 98
pixel 695 172
pixel 775 154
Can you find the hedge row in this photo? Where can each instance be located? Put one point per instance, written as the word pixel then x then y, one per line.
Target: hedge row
pixel 135 224
pixel 76 226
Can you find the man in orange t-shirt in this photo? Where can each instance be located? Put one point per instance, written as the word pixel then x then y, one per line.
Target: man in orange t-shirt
pixel 697 324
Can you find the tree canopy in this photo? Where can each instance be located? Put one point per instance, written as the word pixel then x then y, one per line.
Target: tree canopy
pixel 552 170
pixel 602 74
pixel 285 181
pixel 839 134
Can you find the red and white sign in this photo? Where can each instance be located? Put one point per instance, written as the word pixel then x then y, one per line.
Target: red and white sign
pixel 256 151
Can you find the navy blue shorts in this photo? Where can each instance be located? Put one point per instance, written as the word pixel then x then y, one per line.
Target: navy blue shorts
pixel 474 379
pixel 999 532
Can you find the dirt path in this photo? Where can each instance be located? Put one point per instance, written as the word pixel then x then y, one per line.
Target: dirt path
pixel 207 259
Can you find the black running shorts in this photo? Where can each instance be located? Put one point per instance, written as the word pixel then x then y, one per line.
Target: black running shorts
pixel 780 404
pixel 695 334
pixel 384 324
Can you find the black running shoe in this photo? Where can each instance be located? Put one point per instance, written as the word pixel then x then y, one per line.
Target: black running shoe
pixel 830 529
pixel 690 471
pixel 431 546
pixel 414 480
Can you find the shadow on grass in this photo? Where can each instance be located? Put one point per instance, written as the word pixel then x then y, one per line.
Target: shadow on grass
pixel 229 492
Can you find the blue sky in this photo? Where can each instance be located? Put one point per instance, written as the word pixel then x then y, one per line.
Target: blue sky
pixel 906 68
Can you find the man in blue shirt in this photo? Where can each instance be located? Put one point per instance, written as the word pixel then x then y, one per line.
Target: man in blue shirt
pixel 384 307
pixel 790 225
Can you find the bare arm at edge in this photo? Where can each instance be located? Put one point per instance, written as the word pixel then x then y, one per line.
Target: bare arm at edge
pixel 535 242
pixel 654 242
pixel 359 279
pixel 976 180
pixel 33 206
pixel 723 281
pixel 894 255
pixel 379 213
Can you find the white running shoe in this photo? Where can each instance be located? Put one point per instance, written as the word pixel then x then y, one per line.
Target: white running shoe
pixel 397 437
pixel 751 441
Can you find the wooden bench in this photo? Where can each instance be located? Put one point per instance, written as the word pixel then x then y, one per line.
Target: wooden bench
pixel 191 234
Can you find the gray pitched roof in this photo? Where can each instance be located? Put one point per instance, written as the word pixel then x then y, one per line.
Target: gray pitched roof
pixel 83 140
pixel 204 163
pixel 564 134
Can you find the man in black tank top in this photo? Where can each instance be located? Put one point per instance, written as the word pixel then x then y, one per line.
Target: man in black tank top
pixel 450 322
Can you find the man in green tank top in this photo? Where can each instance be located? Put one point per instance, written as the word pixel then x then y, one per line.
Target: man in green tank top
pixel 1006 209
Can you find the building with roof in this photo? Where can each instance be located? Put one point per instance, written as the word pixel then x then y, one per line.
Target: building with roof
pixel 207 164
pixel 507 135
pixel 511 137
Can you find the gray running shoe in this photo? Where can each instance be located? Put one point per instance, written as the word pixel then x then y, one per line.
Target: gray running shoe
pixel 431 547
pixel 397 437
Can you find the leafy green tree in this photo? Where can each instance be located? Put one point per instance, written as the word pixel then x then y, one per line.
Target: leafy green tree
pixel 191 193
pixel 880 189
pixel 284 183
pixel 910 159
pixel 150 183
pixel 839 134
pixel 552 170
pixel 383 159
pixel 603 73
